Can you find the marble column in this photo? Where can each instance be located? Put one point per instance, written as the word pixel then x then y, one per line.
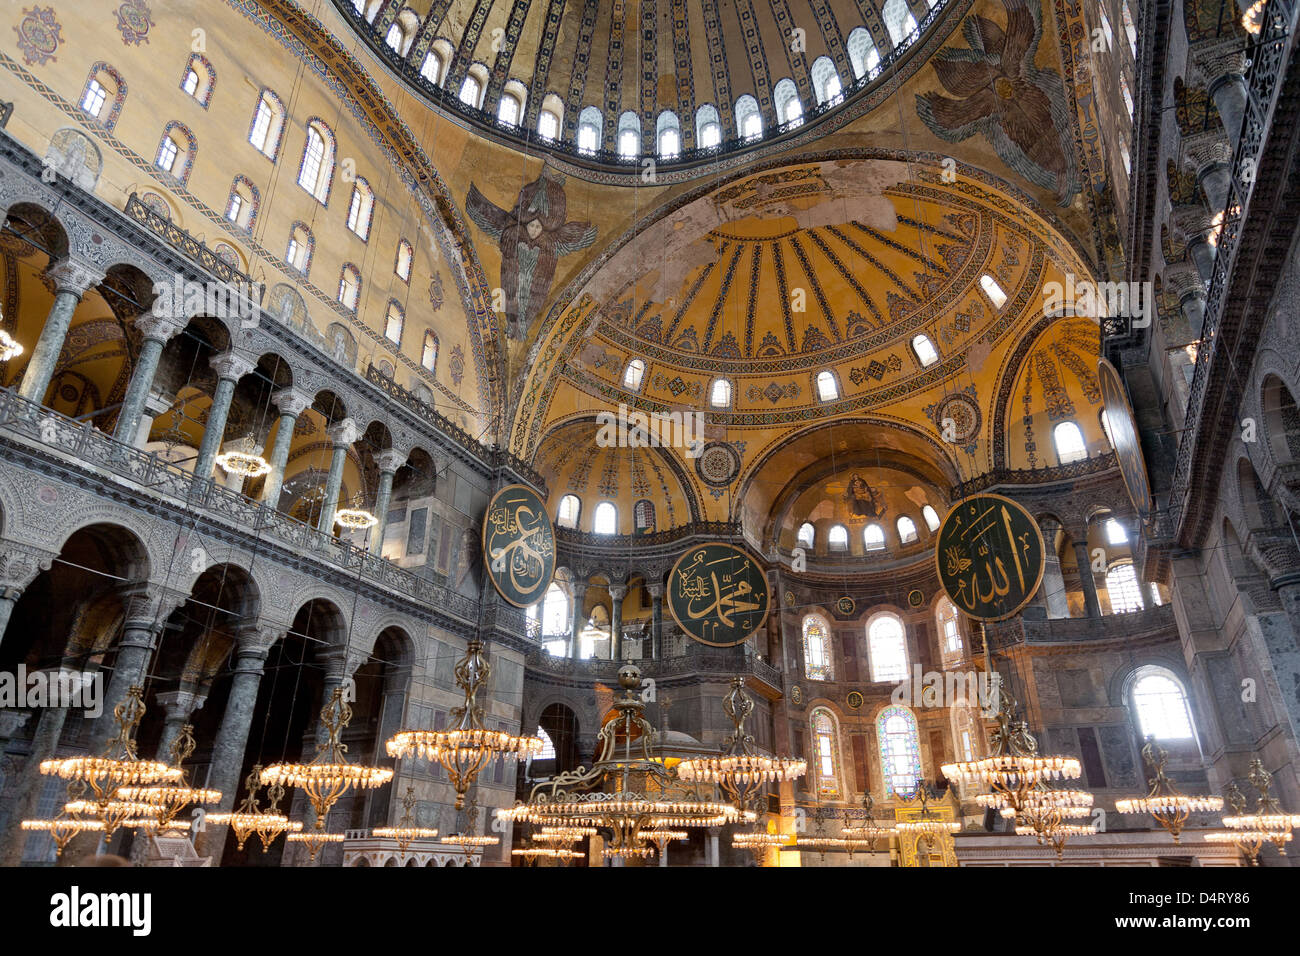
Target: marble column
pixel 616 594
pixel 226 773
pixel 230 368
pixel 134 650
pixel 579 589
pixel 1210 156
pixel 179 706
pixel 714 856
pixel 1224 66
pixel 388 462
pixel 1194 223
pixel 30 783
pixel 656 620
pixel 72 278
pixel 1191 296
pixel 291 403
pixel 157 331
pixel 1133 528
pixel 1053 586
pixel 156 403
pixel 1090 599
pixel 8 598
pixel 342 434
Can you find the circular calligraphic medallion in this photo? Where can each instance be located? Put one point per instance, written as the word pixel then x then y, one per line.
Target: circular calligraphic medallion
pixel 717 594
pixel 519 545
pixel 989 556
pixel 915 598
pixel 845 606
pixel 854 700
pixel 1124 437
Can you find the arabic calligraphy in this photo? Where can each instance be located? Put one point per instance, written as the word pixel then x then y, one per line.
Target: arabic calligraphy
pixel 519 545
pixel 989 556
pixel 717 594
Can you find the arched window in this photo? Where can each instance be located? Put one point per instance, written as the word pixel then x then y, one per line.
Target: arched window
pixel 1105 428
pixel 394 39
pixel 898 21
pixel 720 393
pixel 993 291
pixel 1130 28
pixel 1126 93
pixel 837 539
pixel 749 121
pixel 629 135
pixel 906 529
pixel 429 352
pixel 431 68
pixel 807 534
pixel 548 125
pixel 925 351
pixel 104 94
pixel 394 322
pixel 633 374
pixel 199 79
pixel 349 287
pixel 945 616
pixel 873 537
pixel 668 135
pixel 826 752
pixel 268 125
pixel 590 124
pixel 708 127
pixel 316 174
pixel 900 750
pixel 555 612
pixel 243 203
pixel 827 388
pixel 361 211
pixel 567 515
pixel 643 516
pixel 548 746
pixel 826 81
pixel 605 520
pixel 508 109
pixel 887 647
pixel 864 58
pixel 405 257
pixel 1123 589
pixel 817 648
pixel 176 151
pixel 300 249
pixel 1115 533
pixel 1069 443
pixel 789 108
pixel 471 91
pixel 931 517
pixel 1105 27
pixel 1161 705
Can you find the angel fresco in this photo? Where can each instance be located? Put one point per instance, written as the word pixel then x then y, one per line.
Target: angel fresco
pixel 532 237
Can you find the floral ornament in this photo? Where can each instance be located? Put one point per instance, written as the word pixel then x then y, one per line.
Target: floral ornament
pixel 134 21
pixel 39 35
pixel 1001 94
pixel 435 292
pixel 457 365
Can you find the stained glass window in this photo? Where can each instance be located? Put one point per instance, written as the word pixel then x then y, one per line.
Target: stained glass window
pixel 826 754
pixel 900 752
pixel 817 649
pixel 888 649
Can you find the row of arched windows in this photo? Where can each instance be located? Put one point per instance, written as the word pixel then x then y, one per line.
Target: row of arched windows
pixel 605 517
pixel 873 535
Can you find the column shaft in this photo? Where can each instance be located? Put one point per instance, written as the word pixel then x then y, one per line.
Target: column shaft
pixel 137 391
pixel 232 739
pixel 333 485
pixel 45 354
pixel 1090 599
pixel 279 459
pixel 215 432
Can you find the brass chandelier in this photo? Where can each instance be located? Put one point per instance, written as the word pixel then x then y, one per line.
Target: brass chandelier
pixel 170 799
pixel 866 829
pixel 406 832
pixel 626 791
pixel 1251 832
pixel 741 772
pixel 249 818
pixel 466 747
pixel 1170 808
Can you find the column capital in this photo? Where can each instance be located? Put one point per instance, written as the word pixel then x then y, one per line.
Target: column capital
pixel 578 587
pixel 75 276
pixel 617 591
pixel 1048 525
pixel 158 403
pixel 230 366
pixel 157 328
pixel 19 566
pixel 1192 221
pixel 343 432
pixel 1184 281
pixel 1204 151
pixel 291 401
pixel 180 703
pixel 256 640
pixel 1219 60
pixel 655 589
pixel 390 460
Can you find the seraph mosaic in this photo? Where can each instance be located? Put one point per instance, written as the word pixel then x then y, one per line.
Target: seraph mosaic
pixel 533 237
pixel 997 91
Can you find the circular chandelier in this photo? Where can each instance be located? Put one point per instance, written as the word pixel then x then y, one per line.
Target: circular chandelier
pixel 314 839
pixel 8 347
pixel 243 465
pixel 406 832
pixel 866 829
pixel 355 519
pixel 1268 824
pixel 329 775
pixel 466 747
pixel 62 828
pixel 170 799
pixel 1170 808
pixel 249 818
pixel 626 791
pixel 531 854
pixel 741 772
pixel 119 765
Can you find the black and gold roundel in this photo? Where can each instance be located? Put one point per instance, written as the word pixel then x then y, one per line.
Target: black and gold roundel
pixel 1124 437
pixel 717 594
pixel 519 545
pixel 989 556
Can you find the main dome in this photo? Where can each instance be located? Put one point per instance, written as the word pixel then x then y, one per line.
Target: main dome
pixel 615 83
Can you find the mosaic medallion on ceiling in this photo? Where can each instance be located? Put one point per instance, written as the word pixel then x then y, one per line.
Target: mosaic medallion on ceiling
pixel 957 418
pixel 718 464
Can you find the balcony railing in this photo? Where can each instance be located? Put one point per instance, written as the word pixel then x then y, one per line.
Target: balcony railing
pixel 191 248
pixel 1149 622
pixel 93 451
pixel 695 661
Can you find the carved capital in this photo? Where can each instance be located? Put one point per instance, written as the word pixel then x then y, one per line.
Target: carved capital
pixel 618 591
pixel 158 328
pixel 1184 281
pixel 655 589
pixel 19 566
pixel 391 460
pixel 158 403
pixel 1219 59
pixel 343 433
pixel 180 703
pixel 1192 221
pixel 230 366
pixel 291 401
pixel 75 276
pixel 1203 151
